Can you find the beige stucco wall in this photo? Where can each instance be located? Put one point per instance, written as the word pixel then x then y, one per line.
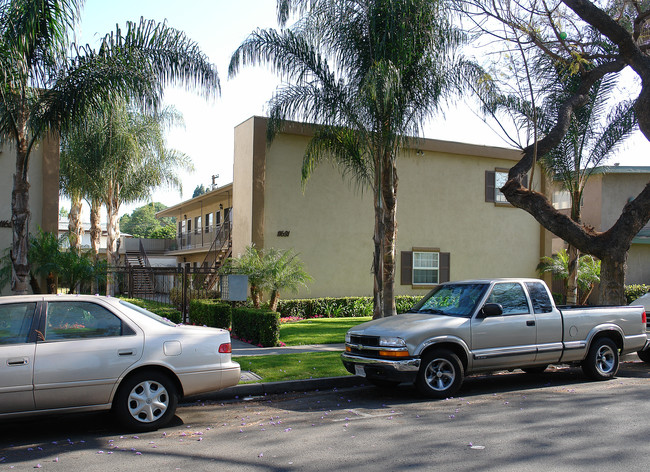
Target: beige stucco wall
pixel 618 189
pixel 43 193
pixel 440 205
pixel 638 265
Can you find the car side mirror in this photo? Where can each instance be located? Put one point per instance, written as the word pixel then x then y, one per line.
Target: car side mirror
pixel 490 309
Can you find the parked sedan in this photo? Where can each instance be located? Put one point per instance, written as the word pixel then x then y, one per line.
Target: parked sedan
pixel 85 353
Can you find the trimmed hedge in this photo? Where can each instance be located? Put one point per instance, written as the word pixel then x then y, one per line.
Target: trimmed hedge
pixel 256 326
pixel 632 292
pixel 161 309
pixel 210 313
pixel 176 295
pixel 339 307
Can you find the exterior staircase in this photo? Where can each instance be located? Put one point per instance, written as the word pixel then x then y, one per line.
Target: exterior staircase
pixel 142 278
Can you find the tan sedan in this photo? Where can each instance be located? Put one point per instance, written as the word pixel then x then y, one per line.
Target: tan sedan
pixel 85 353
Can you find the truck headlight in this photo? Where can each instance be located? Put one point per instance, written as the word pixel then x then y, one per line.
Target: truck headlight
pixel 391 342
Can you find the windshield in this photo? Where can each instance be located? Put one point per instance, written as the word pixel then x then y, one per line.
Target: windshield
pixel 451 300
pixel 153 316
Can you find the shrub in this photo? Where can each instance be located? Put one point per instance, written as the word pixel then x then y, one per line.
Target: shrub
pixel 160 309
pixel 338 307
pixel 632 292
pixel 210 313
pixel 176 295
pixel 256 326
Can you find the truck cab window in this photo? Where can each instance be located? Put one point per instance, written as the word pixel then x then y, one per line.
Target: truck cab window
pixel 511 296
pixel 539 297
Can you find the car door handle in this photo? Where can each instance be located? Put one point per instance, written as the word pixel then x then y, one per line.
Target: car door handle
pixel 125 352
pixel 17 361
pixel 530 323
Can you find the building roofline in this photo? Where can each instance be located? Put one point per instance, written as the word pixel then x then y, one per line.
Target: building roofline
pixel 417 144
pixel 171 211
pixel 621 170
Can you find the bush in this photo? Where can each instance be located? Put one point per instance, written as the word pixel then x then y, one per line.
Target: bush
pixel 632 292
pixel 176 295
pixel 160 309
pixel 256 326
pixel 339 307
pixel 211 313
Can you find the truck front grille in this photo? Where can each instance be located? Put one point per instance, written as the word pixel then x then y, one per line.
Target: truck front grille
pixel 370 341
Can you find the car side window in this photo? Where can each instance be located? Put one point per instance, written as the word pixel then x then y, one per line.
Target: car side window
pixel 511 296
pixel 539 297
pixel 80 320
pixel 15 322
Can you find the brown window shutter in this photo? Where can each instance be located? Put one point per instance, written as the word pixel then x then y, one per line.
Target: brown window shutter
pixel 489 185
pixel 407 267
pixel 444 267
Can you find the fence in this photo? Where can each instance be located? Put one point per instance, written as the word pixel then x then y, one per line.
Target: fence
pixel 173 285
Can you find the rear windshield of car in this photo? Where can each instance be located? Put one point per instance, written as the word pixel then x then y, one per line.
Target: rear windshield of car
pixel 153 316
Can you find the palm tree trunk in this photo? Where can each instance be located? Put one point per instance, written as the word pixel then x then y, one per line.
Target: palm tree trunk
pixel 20 216
pixel 95 237
pixel 377 267
pixel 389 194
pixel 112 236
pixel 75 228
pixel 273 303
pixel 572 280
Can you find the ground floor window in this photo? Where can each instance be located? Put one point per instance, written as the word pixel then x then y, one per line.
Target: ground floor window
pixel 426 267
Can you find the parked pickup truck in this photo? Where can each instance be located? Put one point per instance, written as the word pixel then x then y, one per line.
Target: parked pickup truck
pixel 474 326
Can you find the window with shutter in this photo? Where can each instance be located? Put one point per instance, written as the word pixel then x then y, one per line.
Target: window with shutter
pixel 424 267
pixel 494 180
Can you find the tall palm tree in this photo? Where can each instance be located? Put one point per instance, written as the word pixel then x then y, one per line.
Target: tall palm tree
pixel 45 83
pixel 369 72
pixel 123 154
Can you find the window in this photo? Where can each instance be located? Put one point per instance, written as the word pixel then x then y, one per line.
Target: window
pixel 189 226
pixel 561 200
pixel 539 297
pixel 217 215
pixel 424 267
pixel 227 214
pixel 208 222
pixel 494 180
pixel 80 320
pixel 511 296
pixel 15 322
pixel 197 224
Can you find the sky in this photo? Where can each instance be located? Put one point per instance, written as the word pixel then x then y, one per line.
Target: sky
pixel 219 27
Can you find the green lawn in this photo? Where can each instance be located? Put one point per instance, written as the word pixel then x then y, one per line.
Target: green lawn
pixel 281 367
pixel 318 330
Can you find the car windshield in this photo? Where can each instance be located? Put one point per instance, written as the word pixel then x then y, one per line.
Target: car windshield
pixel 153 316
pixel 451 300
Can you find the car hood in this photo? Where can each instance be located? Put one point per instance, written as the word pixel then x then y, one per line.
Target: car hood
pixel 406 324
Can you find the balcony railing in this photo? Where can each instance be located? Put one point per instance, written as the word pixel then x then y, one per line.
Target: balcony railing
pixel 151 246
pixel 203 237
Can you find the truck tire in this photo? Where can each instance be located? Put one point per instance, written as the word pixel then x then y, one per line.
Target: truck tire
pixel 644 356
pixel 146 401
pixel 440 375
pixel 601 362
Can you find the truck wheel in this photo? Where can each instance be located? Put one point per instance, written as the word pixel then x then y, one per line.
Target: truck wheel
pixel 601 362
pixel 146 401
pixel 644 356
pixel 440 375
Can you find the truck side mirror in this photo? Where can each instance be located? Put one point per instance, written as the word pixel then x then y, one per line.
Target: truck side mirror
pixel 490 309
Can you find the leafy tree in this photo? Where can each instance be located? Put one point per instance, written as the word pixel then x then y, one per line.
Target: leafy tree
pixel 142 222
pixel 284 272
pixel 369 73
pixel 588 271
pixel 199 190
pixel 124 153
pixel 45 84
pixel 250 263
pixel 574 33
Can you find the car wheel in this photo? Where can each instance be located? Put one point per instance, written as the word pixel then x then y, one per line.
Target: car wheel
pixel 384 383
pixel 535 370
pixel 146 401
pixel 644 356
pixel 440 374
pixel 601 362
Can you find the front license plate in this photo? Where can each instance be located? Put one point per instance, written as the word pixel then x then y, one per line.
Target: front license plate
pixel 359 370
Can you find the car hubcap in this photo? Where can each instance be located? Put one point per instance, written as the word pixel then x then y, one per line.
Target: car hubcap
pixel 440 374
pixel 605 359
pixel 148 401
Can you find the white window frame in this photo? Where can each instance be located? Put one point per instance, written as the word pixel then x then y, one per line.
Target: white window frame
pixel 500 179
pixel 434 267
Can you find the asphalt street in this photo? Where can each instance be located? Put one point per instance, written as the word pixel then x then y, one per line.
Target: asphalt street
pixel 505 422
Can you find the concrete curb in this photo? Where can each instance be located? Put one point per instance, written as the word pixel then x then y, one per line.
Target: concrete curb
pixel 270 388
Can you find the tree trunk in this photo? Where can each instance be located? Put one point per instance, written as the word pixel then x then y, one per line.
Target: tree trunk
pixel 377 259
pixel 572 279
pixel 389 195
pixel 255 296
pixel 112 237
pixel 75 227
pixel 95 238
pixel 273 303
pixel 20 215
pixel 612 278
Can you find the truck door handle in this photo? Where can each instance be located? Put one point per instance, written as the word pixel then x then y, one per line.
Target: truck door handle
pixel 530 323
pixel 125 352
pixel 17 361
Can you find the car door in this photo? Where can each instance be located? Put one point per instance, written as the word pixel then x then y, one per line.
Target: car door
pixel 17 347
pixel 507 340
pixel 86 349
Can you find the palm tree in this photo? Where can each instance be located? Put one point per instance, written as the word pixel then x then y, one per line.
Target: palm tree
pixel 369 72
pixel 123 155
pixel 251 264
pixel 45 83
pixel 285 272
pixel 588 272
